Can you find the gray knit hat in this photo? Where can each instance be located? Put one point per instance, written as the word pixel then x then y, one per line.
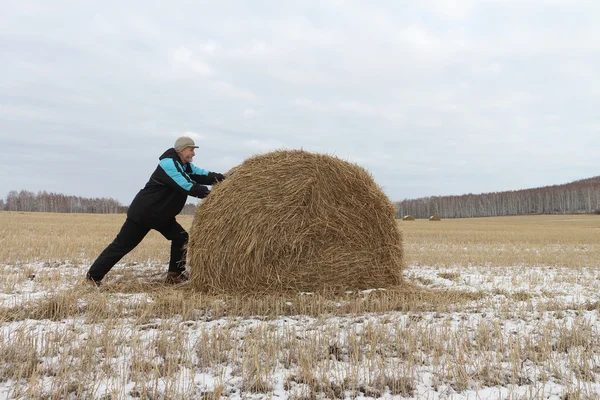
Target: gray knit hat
pixel 184 142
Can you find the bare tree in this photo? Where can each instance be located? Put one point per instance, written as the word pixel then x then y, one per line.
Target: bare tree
pixel 12 201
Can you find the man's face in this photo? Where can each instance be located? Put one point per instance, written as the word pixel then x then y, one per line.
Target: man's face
pixel 187 154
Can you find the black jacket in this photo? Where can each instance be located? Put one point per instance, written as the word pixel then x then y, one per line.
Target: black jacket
pixel 166 192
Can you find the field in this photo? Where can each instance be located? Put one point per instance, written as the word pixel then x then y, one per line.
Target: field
pixel 491 308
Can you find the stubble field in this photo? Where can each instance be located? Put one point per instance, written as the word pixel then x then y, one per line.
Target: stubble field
pixel 491 308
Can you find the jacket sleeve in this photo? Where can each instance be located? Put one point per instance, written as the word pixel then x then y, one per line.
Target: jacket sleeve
pixel 198 171
pixel 179 180
pixel 203 176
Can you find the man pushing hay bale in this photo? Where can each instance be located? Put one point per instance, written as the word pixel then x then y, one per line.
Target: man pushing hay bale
pixel 295 221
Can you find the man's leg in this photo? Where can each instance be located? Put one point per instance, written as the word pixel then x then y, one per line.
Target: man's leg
pixel 179 238
pixel 131 235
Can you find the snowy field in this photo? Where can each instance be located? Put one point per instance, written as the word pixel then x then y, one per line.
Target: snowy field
pixel 528 332
pixel 492 308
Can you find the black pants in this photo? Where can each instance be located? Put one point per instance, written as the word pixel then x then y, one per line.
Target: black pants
pixel 130 236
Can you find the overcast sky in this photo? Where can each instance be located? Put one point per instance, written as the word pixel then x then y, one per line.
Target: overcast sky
pixel 432 97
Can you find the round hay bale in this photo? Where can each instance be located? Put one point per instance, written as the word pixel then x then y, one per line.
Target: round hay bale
pixel 295 221
pixel 408 218
pixel 435 218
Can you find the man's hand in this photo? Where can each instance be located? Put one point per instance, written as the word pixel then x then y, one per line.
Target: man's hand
pixel 202 191
pixel 215 177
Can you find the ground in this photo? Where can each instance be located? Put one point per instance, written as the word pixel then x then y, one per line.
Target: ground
pixel 491 308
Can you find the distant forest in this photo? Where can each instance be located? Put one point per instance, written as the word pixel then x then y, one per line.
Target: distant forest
pixel 578 197
pixel 60 203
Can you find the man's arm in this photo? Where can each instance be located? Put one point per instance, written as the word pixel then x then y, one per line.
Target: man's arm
pixel 176 178
pixel 205 177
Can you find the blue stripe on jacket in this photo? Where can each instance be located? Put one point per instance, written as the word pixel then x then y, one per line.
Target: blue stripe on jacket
pixel 176 172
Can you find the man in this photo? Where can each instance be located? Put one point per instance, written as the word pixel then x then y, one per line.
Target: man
pixel 155 207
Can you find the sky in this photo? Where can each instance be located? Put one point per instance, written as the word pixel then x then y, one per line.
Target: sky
pixel 431 97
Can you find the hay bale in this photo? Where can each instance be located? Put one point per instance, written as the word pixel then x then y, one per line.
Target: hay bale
pixel 408 218
pixel 299 221
pixel 435 218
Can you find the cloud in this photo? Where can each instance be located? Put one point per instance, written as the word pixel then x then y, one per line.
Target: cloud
pixel 263 145
pixel 194 135
pixel 210 47
pixel 182 55
pixel 249 113
pixel 422 94
pixel 353 107
pixel 183 58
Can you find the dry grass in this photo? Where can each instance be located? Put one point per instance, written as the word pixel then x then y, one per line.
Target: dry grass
pixel 503 307
pixel 74 238
pixel 557 240
pixel 560 240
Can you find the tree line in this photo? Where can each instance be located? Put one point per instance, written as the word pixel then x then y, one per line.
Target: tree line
pixel 43 201
pixel 578 197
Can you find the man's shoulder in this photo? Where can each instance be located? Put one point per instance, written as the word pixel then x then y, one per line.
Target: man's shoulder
pixel 171 166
